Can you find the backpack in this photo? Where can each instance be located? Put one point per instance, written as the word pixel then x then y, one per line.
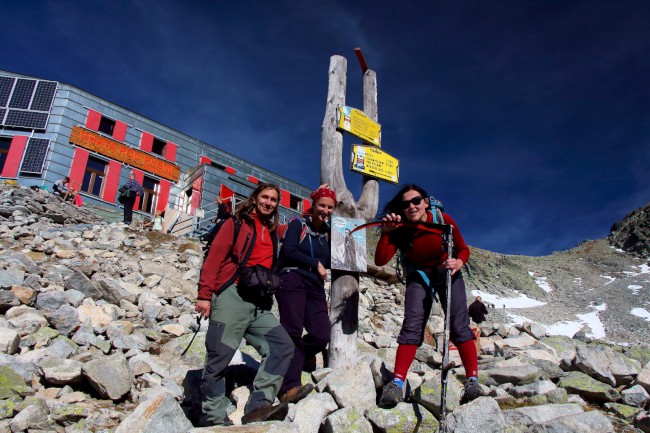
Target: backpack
pixel 209 236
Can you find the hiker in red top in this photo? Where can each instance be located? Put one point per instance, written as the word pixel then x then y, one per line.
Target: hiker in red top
pixel 424 252
pixel 237 312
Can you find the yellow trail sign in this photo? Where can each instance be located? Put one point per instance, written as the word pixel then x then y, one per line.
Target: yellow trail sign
pixel 374 162
pixel 358 124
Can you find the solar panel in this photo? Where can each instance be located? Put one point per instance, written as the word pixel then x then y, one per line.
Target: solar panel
pixel 22 93
pixel 6 84
pixel 44 95
pixel 34 159
pixel 3 111
pixel 26 119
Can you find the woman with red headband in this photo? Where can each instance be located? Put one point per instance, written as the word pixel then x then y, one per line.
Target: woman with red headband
pixel 304 258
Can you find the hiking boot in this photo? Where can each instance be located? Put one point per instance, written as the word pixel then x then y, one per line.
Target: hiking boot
pixel 472 391
pixel 391 395
pixel 267 412
pixel 296 394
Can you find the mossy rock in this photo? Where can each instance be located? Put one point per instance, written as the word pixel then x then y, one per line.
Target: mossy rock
pixel 9 380
pixel 43 333
pixel 623 411
pixel 7 408
pixel 588 388
pixel 70 413
pixel 196 353
pixel 640 353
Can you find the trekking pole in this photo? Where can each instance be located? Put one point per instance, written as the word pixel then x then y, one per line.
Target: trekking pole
pixel 446 365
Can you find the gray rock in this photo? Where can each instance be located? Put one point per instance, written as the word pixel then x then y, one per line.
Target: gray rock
pixel 642 422
pixel 9 341
pixel 348 419
pixel 80 282
pixel 516 374
pixel 162 414
pixel 310 411
pixel 74 297
pixel 643 378
pixel 535 330
pixel 587 422
pixel 51 300
pixel 11 277
pixel 481 415
pixel 25 320
pixel 113 291
pixel 405 417
pixel 33 416
pixel 353 387
pixel 64 319
pixel 60 371
pixel 539 414
pixel 25 369
pixel 537 388
pixel 606 365
pixel 7 300
pixel 109 376
pixel 635 396
pixel 590 389
pixel 62 347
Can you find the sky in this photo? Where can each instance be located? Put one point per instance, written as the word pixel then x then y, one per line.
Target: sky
pixel 529 120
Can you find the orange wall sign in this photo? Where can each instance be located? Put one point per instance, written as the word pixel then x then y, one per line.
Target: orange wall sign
pixel 120 152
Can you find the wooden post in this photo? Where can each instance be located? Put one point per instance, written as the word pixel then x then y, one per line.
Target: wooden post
pixel 344 299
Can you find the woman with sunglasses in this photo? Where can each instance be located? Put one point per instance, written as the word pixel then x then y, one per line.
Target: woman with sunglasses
pixel 423 252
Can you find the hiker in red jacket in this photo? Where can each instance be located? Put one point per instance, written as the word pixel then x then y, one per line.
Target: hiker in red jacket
pixel 423 251
pixel 238 312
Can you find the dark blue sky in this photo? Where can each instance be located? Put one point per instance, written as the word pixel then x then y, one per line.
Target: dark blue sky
pixel 530 120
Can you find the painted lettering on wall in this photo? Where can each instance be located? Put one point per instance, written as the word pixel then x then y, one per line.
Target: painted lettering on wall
pixel 119 152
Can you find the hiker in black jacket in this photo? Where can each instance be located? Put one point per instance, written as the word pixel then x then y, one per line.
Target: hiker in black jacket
pixel 477 310
pixel 304 258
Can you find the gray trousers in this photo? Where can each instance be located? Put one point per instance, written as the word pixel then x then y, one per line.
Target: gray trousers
pixel 232 319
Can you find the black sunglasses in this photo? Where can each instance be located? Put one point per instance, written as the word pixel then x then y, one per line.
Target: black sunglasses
pixel 415 200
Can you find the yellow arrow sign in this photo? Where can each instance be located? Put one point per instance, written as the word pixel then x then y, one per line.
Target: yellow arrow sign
pixel 374 162
pixel 358 124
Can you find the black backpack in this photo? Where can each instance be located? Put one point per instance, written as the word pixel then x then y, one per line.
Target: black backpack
pixel 209 236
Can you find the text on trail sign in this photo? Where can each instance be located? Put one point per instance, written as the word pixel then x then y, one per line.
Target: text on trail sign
pixel 374 162
pixel 358 124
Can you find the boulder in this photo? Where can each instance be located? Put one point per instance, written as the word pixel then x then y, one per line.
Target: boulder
pixel 606 365
pixel 405 417
pixel 590 389
pixel 161 414
pixel 481 415
pixel 109 376
pixel 348 419
pixel 312 410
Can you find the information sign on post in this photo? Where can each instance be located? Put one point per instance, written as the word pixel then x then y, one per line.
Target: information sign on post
pixel 358 124
pixel 374 162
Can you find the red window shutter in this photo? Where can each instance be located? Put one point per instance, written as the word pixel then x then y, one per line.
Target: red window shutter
pixel 15 156
pixel 230 170
pixel 93 119
pixel 253 179
pixel 78 168
pixel 119 132
pixel 112 181
pixel 205 160
pixel 146 141
pixel 306 205
pixel 170 151
pixel 163 195
pixel 286 199
pixel 226 192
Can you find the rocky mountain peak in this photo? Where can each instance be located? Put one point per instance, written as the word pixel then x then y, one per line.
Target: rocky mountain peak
pixel 632 233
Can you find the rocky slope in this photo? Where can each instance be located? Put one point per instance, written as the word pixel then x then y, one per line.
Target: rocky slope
pixel 96 315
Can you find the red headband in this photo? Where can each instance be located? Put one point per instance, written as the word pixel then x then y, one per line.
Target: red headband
pixel 323 192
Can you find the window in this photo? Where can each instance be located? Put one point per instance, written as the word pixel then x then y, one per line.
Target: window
pixel 94 176
pixel 158 146
pixel 5 144
pixel 148 201
pixel 295 203
pixel 106 125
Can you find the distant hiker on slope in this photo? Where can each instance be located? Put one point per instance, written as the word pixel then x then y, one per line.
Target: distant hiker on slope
pixel 423 251
pixel 305 258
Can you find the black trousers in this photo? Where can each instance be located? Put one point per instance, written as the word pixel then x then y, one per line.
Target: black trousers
pixel 128 209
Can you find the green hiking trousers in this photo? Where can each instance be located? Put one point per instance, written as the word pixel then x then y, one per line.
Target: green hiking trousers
pixel 231 319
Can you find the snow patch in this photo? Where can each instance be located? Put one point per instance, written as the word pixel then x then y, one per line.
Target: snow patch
pixel 611 279
pixel 541 282
pixel 570 327
pixel 642 313
pixel 522 301
pixel 635 289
